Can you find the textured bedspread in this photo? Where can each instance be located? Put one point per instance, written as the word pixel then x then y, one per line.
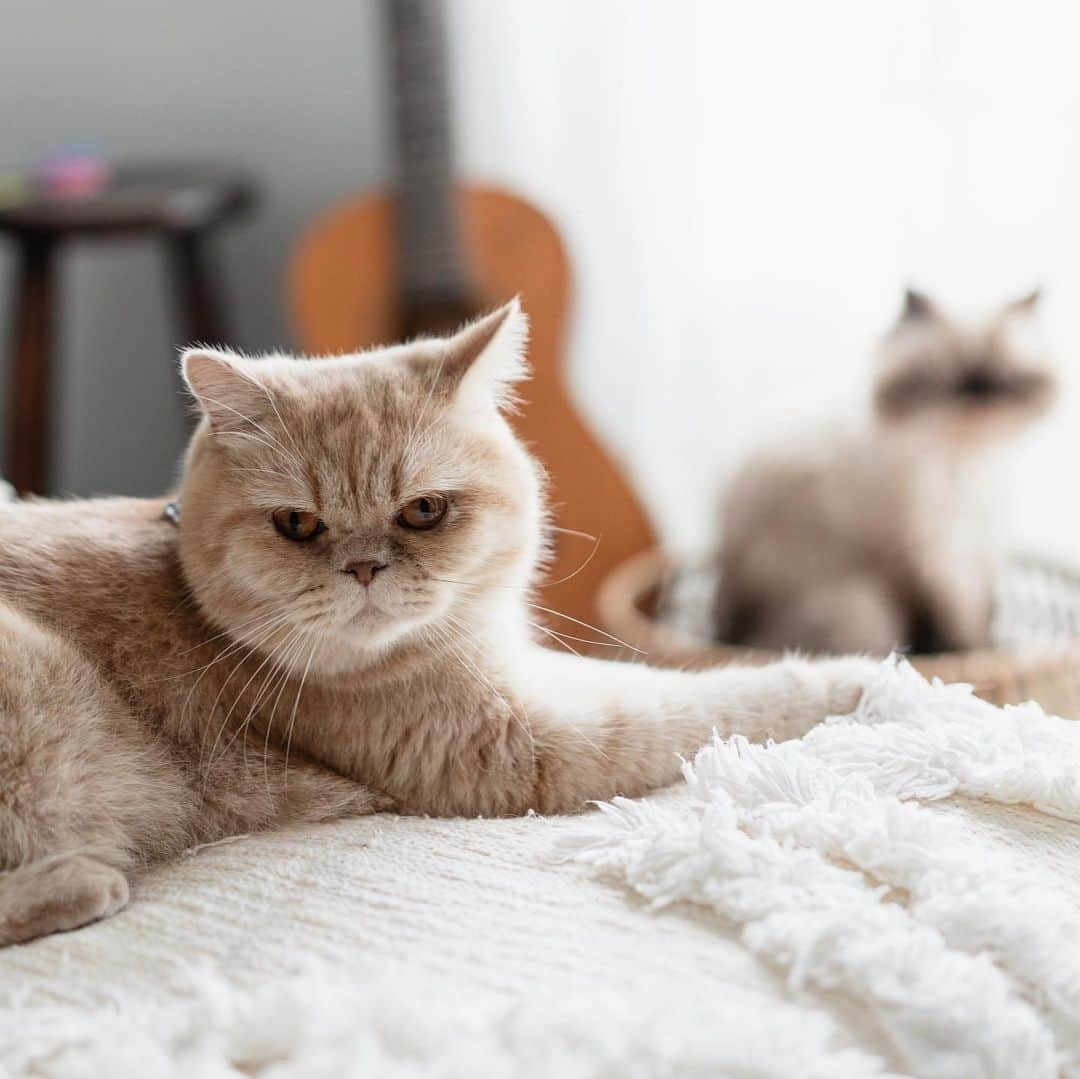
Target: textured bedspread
pixel 863 902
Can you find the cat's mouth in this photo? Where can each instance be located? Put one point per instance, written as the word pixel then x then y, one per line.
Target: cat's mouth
pixel 369 613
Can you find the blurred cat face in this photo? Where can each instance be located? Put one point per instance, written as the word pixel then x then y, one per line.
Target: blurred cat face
pixel 331 508
pixel 967 384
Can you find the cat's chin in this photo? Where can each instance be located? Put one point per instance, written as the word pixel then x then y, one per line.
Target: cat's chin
pixel 375 625
pixel 367 637
pixel 370 616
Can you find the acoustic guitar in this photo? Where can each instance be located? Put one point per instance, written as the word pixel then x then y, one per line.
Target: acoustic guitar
pixel 432 253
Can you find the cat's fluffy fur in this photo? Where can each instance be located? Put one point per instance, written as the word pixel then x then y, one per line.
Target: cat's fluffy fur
pixel 880 538
pixel 163 686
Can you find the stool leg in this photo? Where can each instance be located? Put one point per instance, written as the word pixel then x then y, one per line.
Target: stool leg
pixel 32 359
pixel 197 297
pixel 196 290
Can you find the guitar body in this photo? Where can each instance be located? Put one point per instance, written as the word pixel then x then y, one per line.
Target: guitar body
pixel 345 296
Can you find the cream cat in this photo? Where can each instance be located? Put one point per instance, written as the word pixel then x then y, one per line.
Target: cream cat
pixel 880 538
pixel 338 623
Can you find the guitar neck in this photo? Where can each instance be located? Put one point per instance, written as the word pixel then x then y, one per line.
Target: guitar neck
pixel 432 272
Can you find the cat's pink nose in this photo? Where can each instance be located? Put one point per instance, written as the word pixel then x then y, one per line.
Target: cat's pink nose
pixel 364 570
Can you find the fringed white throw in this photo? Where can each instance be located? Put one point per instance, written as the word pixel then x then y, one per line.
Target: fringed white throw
pixel 898 893
pixel 966 953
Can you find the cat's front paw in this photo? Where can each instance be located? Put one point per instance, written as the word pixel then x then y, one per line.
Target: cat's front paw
pixel 819 689
pixel 57 894
pixel 846 679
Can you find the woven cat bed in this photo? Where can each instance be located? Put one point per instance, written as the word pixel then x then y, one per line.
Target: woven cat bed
pixel 661 609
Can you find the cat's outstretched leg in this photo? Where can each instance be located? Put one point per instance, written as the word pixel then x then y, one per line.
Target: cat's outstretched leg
pixel 85 793
pixel 603 729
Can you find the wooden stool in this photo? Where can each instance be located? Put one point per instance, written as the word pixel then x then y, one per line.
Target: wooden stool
pixel 179 205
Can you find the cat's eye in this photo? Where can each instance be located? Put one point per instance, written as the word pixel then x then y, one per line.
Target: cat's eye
pixel 423 513
pixel 298 525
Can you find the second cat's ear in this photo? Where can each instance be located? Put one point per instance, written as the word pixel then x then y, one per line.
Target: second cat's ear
pixel 487 358
pixel 1026 305
pixel 918 307
pixel 227 391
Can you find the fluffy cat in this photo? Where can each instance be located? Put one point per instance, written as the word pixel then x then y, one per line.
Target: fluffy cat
pixel 880 538
pixel 337 623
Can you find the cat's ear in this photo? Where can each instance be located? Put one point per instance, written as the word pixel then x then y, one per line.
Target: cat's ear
pixel 487 358
pixel 918 307
pixel 1026 305
pixel 226 389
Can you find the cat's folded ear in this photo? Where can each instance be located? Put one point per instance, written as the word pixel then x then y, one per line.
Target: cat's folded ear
pixel 225 387
pixel 485 360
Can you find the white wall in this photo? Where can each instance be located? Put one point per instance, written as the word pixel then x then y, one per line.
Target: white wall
pixel 747 186
pixel 744 189
pixel 292 90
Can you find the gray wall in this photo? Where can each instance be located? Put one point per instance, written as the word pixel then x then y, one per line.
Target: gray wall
pixel 292 90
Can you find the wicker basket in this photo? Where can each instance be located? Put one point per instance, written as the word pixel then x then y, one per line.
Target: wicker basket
pixel 1036 629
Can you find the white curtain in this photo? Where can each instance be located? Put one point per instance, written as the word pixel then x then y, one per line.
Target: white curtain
pixel 745 188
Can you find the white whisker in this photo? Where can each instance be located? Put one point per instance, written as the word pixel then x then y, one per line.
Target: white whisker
pixel 573 532
pixel 296 706
pixel 251 651
pixel 286 670
pixel 586 625
pixel 274 656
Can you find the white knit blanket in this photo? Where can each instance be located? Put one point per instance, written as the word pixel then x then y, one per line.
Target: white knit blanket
pixel 896 893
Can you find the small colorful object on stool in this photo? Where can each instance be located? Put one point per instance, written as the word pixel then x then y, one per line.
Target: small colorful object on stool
pixel 73 173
